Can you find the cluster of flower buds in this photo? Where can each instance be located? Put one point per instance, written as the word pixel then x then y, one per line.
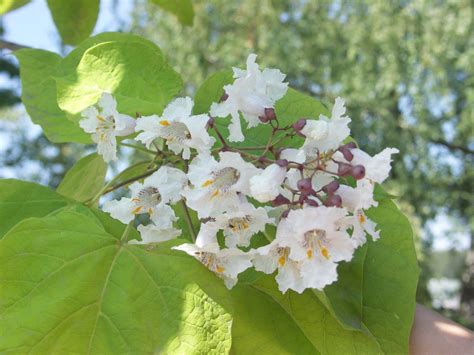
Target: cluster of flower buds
pixel 306 193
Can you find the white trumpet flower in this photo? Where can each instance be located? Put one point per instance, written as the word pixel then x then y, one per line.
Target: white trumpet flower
pixel 239 225
pixel 218 186
pixel 181 130
pixel 151 197
pixel 251 93
pixel 226 263
pixel 326 133
pixel 357 200
pixel 104 124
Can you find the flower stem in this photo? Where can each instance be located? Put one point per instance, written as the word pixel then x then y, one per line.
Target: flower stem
pixel 137 147
pixel 189 223
pixel 128 181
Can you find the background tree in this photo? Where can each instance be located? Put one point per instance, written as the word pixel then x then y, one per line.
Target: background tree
pixel 404 67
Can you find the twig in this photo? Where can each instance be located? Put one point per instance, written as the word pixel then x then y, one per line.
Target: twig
pixel 189 223
pixel 11 46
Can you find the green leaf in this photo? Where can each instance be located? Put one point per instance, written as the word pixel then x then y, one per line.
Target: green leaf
pixel 182 9
pixel 85 179
pixel 69 285
pixel 10 5
pixel 295 105
pixel 21 199
pixel 128 298
pixel 129 67
pixel 376 291
pixel 182 222
pixel 80 289
pixel 74 20
pixel 39 96
pixel 211 91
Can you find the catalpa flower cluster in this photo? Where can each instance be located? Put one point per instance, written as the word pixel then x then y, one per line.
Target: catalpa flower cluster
pixel 316 195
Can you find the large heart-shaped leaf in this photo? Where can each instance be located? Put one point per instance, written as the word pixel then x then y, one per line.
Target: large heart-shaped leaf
pixel 102 295
pixel 39 96
pixel 70 286
pixel 131 68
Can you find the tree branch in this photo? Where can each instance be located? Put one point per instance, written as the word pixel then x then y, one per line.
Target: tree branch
pixel 451 146
pixel 11 46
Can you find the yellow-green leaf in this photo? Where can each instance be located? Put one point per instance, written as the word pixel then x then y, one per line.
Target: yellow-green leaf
pixel 85 179
pixel 10 5
pixel 74 20
pixel 182 9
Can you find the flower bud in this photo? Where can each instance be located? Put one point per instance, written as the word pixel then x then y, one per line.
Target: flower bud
pixel 346 150
pixel 331 187
pixel 304 185
pixel 344 169
pixel 282 163
pixel 358 172
pixel 311 203
pixel 224 97
pixel 263 119
pixel 347 154
pixel 333 201
pixel 280 200
pixel 210 122
pixel 269 114
pixel 285 213
pixel 350 145
pixel 298 126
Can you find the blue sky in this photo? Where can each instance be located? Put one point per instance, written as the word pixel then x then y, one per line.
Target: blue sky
pixel 32 25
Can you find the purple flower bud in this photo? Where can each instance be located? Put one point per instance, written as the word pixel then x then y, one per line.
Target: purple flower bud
pixel 333 201
pixel 312 203
pixel 347 154
pixel 224 97
pixel 298 126
pixel 344 169
pixel 350 145
pixel 282 163
pixel 358 172
pixel 304 185
pixel 331 187
pixel 210 122
pixel 263 119
pixel 280 200
pixel 285 213
pixel 270 113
